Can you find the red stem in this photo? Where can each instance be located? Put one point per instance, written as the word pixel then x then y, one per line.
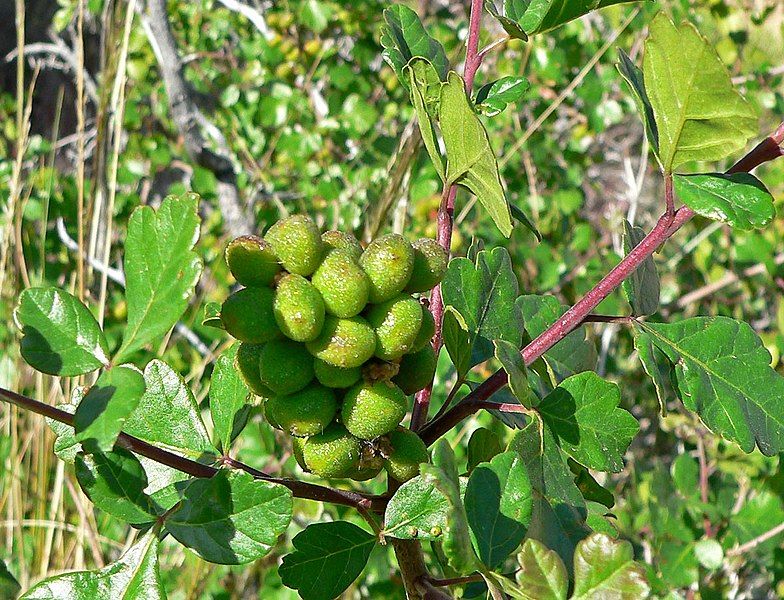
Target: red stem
pixel 446 211
pixel 666 226
pixel 300 489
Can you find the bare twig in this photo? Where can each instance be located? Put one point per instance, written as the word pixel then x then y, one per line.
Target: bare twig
pixel 753 543
pixel 250 13
pixel 189 119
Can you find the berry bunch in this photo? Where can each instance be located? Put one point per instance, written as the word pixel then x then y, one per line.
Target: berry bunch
pixel 334 338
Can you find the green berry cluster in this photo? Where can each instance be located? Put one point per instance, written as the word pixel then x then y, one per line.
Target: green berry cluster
pixel 334 337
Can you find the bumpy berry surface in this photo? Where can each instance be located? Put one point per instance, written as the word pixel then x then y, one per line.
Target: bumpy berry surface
pixel 342 283
pixel 397 324
pixel 247 364
pixel 298 308
pixel 366 471
pixel 252 261
pixel 426 332
pixel 297 448
pixel 344 343
pixel 297 243
pixel 373 409
pixel 388 262
pixel 342 241
pixel 335 377
pixel 247 315
pixel 408 452
pixel 416 370
pixel 303 413
pixel 332 454
pixel 285 367
pixel 430 262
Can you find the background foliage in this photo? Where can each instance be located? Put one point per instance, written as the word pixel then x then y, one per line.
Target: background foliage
pixel 312 119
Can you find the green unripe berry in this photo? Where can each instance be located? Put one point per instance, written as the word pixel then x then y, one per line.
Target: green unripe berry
pixel 285 367
pixel 297 449
pixel 342 241
pixel 388 262
pixel 297 243
pixel 247 364
pixel 247 315
pixel 335 377
pixel 430 262
pixel 416 370
pixel 408 452
pixel 252 261
pixel 332 454
pixel 342 283
pixel 373 409
pixel 397 323
pixel 366 470
pixel 267 409
pixel 298 308
pixel 426 332
pixel 303 413
pixel 344 343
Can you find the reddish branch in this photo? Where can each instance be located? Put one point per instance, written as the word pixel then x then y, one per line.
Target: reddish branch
pixel 300 489
pixel 769 149
pixel 446 211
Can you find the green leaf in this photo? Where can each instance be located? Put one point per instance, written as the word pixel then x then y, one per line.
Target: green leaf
pixel 642 286
pixel 604 567
pixel 115 482
pixel 212 315
pixel 103 411
pixel 327 558
pixel 709 553
pixel 134 576
pixel 739 199
pixel 482 447
pixel 538 16
pixel 498 503
pixel 161 269
pixel 542 575
pixel 404 37
pixel 315 15
pixel 583 415
pixel 723 373
pixel 698 113
pixel 559 511
pixel 686 474
pixel 493 97
pixel 758 516
pixel 60 335
pixel 647 352
pixel 571 355
pixel 9 586
pixel 591 489
pixel 423 80
pixel 511 26
pixel 66 446
pixel 231 518
pixel 471 161
pixel 168 400
pixel 525 220
pixel 442 474
pixel 484 293
pixel 230 400
pixel 457 341
pixel 636 81
pixel 512 362
pixel 416 511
